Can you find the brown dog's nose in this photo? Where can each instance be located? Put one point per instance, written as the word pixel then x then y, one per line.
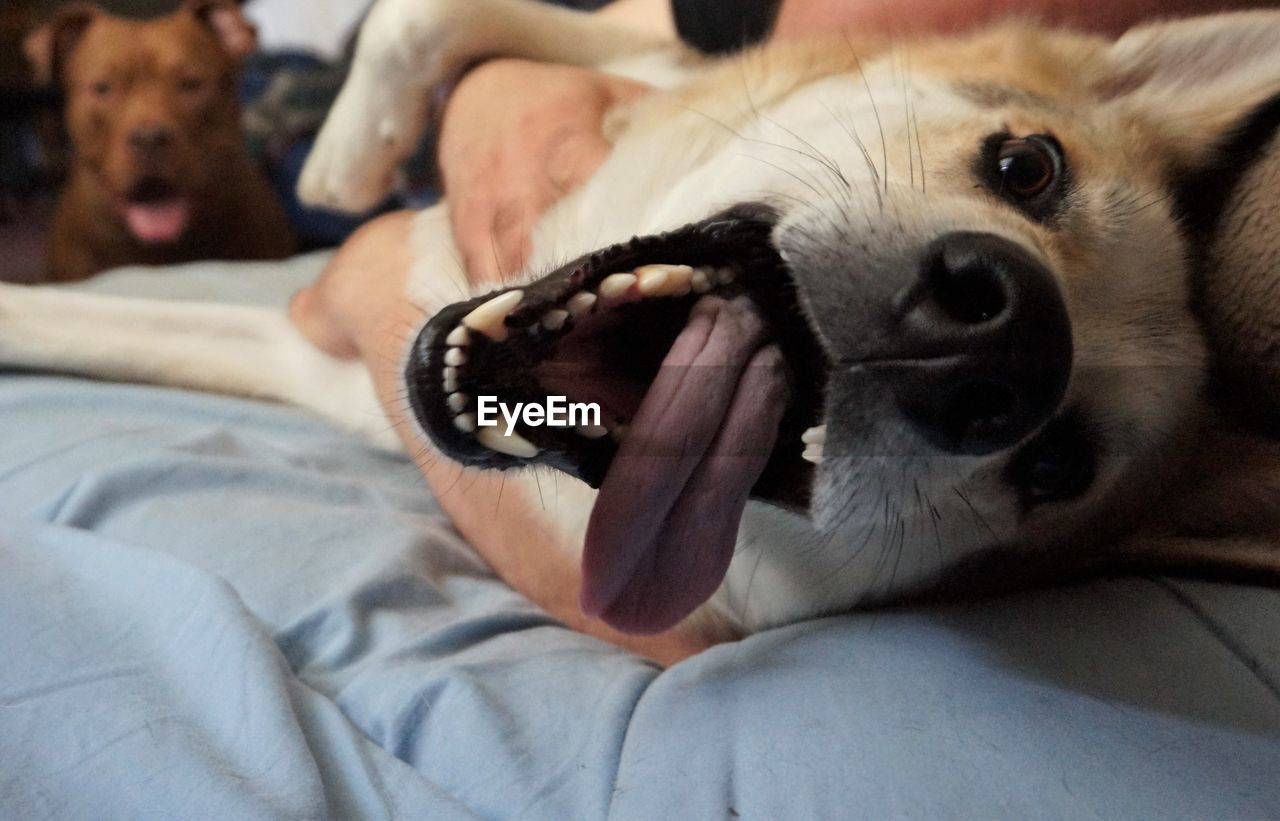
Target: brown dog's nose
pixel 150 139
pixel 993 319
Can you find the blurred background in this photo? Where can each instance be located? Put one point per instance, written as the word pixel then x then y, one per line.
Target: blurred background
pixel 286 91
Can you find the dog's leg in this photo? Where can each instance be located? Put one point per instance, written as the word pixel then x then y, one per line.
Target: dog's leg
pixel 236 350
pixel 408 47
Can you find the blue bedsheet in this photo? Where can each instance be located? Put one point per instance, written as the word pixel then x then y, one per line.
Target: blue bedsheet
pixel 214 608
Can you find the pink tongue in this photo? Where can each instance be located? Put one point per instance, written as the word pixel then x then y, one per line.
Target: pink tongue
pixel 663 529
pixel 158 223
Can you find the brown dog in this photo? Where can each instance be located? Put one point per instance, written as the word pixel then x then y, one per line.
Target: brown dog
pixel 159 172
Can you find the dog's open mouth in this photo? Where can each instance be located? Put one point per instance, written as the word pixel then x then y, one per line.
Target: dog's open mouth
pixel 156 212
pixel 707 376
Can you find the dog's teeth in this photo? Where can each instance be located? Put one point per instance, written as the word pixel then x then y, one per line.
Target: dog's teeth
pixel 724 276
pixel 580 303
pixel 652 279
pixel 465 422
pixel 455 357
pixel 813 453
pixel 490 318
pixel 815 436
pixel 592 431
pixel 512 445
pixel 554 319
pixel 616 285
pixel 458 402
pixel 664 280
pixel 700 282
pixel 459 337
pixel 450 380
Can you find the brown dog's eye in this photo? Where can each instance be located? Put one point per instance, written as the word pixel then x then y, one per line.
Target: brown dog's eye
pixel 101 88
pixel 1027 167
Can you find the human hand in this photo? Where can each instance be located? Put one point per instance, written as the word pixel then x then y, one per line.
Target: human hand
pixel 516 137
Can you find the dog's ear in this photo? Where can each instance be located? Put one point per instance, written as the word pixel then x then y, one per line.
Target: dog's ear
pixel 1222 522
pixel 48 47
pixel 1213 87
pixel 1237 290
pixel 1202 76
pixel 237 35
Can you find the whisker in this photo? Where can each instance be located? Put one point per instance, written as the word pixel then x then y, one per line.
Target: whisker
pixel 884 146
pixel 862 147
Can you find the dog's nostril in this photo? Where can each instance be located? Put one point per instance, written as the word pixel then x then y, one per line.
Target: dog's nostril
pixel 990 344
pixel 970 293
pixel 977 413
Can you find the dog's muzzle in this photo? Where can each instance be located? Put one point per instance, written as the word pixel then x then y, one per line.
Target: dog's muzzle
pixel 693 345
pixel 716 385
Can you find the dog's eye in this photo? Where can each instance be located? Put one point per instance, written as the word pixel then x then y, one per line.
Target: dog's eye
pixel 1027 167
pixel 1056 466
pixel 101 88
pixel 191 84
pixel 1027 171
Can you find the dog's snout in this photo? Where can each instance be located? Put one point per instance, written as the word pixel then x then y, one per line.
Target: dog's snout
pixel 992 318
pixel 151 139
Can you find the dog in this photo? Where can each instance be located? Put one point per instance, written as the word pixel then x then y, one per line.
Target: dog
pixel 159 172
pixel 868 321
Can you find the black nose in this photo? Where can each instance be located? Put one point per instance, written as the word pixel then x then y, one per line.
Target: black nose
pixel 150 139
pixel 997 340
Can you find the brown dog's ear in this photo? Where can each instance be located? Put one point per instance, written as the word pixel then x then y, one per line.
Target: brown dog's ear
pixel 237 35
pixel 48 47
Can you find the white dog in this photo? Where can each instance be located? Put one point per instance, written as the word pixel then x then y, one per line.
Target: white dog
pixel 902 318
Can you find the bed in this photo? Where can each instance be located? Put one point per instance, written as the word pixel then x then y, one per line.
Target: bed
pixel 218 608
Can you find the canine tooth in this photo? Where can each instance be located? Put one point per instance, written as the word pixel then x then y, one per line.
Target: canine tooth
pixel 700 282
pixel 815 436
pixel 725 275
pixel 580 303
pixel 455 357
pixel 450 379
pixel 465 422
pixel 592 431
pixel 512 445
pixel 458 402
pixel 664 280
pixel 490 318
pixel 554 319
pixel 813 453
pixel 459 337
pixel 616 285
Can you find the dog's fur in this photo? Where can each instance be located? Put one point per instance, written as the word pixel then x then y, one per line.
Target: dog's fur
pixel 153 119
pixel 1160 253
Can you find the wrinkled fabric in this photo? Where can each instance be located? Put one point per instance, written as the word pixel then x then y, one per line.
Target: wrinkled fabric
pixel 217 608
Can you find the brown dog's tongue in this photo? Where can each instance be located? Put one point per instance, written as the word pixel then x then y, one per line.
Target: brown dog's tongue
pixel 158 223
pixel 666 519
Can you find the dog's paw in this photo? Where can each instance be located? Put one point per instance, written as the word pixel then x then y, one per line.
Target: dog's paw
pixel 406 48
pixel 365 138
